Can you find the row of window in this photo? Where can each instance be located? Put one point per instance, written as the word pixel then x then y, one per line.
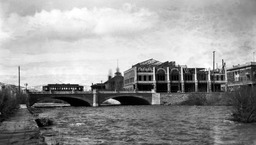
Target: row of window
pixel 128 81
pixel 145 78
pixel 244 78
pixel 220 77
pixel 174 77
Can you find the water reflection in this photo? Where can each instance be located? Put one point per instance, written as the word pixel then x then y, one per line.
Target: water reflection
pixel 146 125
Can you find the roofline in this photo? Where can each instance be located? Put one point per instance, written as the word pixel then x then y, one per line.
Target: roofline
pixel 128 70
pixel 248 64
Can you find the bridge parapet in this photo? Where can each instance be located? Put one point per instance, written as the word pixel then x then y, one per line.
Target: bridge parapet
pixel 124 92
pixel 61 92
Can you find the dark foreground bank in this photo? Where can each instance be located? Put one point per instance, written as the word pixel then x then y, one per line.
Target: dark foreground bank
pixel 21 128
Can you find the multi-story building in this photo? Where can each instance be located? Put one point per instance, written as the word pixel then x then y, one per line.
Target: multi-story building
pixel 169 77
pixel 242 75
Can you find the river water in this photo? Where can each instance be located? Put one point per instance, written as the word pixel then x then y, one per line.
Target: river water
pixel 192 125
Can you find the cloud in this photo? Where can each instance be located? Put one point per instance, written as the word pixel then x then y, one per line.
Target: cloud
pixel 81 23
pixel 4 34
pixel 55 39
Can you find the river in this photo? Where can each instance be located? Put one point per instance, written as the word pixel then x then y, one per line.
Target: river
pixel 191 125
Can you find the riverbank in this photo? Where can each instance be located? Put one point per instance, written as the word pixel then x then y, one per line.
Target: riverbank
pixel 21 128
pixel 203 98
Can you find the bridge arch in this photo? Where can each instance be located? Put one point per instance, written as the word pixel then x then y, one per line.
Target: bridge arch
pixel 72 100
pixel 128 100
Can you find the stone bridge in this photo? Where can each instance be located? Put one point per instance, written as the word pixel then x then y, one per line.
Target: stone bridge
pixel 96 98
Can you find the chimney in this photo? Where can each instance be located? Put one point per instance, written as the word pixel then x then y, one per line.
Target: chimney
pixel 109 74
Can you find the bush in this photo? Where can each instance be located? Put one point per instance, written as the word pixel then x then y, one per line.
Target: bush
pixel 198 99
pixel 22 98
pixel 244 104
pixel 9 102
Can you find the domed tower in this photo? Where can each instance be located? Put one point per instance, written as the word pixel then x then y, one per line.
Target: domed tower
pixel 117 73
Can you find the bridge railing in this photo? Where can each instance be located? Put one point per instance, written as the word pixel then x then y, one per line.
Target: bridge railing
pixel 88 92
pixel 61 92
pixel 112 92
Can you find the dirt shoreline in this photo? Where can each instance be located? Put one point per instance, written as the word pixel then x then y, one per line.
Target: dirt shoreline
pixel 21 128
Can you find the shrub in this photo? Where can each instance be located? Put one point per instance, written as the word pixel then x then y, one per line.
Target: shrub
pixel 244 105
pixel 22 98
pixel 195 99
pixel 8 103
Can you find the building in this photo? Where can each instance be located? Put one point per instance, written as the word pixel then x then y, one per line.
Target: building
pixel 242 75
pixel 98 86
pixel 115 83
pixel 169 77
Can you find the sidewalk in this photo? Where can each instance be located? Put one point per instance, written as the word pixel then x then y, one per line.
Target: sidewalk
pixel 21 129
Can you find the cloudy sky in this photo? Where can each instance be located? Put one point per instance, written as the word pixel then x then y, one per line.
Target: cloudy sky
pixel 79 41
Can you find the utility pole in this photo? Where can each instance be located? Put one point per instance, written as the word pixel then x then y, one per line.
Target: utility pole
pixel 253 56
pixel 213 71
pixel 19 78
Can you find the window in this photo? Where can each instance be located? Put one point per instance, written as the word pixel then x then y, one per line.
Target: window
pixel 174 75
pixel 236 75
pixel 131 80
pixel 222 77
pixel 145 78
pixel 188 77
pixel 139 78
pixel 149 78
pixel 201 76
pixel 161 75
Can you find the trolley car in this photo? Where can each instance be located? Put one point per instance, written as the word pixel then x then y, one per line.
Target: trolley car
pixel 63 87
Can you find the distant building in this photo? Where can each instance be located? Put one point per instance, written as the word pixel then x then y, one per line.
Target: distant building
pixel 115 83
pixel 98 86
pixel 169 77
pixel 242 75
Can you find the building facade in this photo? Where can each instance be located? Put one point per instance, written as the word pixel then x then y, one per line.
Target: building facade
pixel 242 75
pixel 169 77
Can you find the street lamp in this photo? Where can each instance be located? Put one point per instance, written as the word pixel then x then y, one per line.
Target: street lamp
pixel 26 85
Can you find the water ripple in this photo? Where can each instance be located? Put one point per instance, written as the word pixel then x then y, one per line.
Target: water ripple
pixel 146 125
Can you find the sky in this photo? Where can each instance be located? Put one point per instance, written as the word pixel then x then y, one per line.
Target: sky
pixel 80 41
